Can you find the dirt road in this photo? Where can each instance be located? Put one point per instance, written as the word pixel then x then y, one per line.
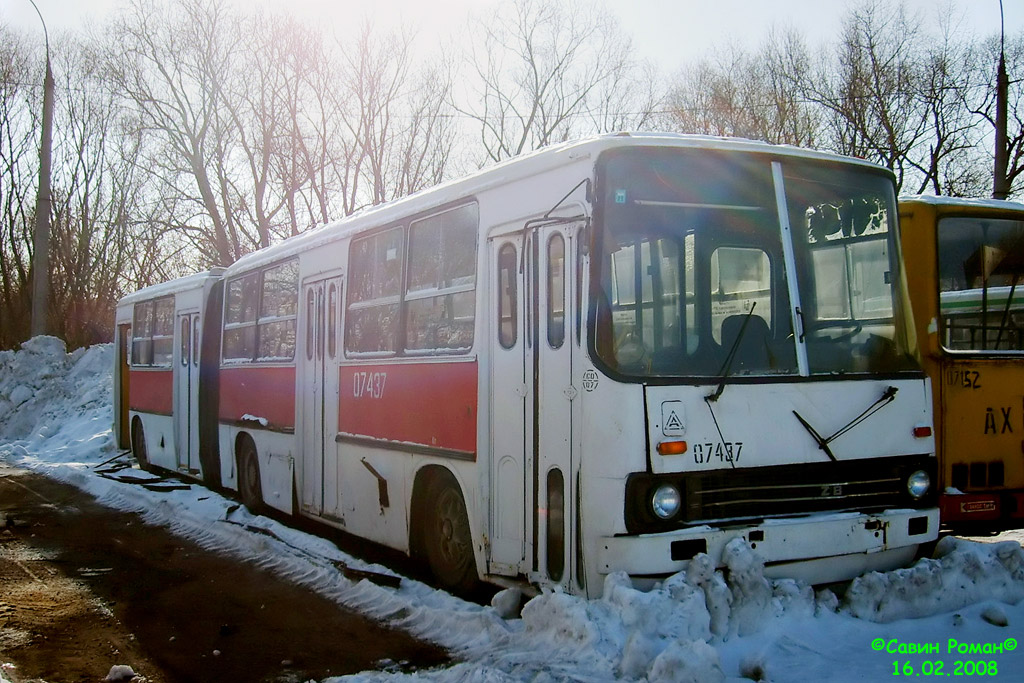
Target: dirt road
pixel 84 588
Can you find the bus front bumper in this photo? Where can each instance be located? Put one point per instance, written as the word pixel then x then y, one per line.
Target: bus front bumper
pixel 815 549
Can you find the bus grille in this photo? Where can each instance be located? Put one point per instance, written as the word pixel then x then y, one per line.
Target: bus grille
pixel 764 492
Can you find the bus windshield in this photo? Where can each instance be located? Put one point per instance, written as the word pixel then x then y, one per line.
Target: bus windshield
pixel 981 283
pixel 691 277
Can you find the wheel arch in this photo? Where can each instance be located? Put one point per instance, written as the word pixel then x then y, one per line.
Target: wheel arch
pixel 240 440
pixel 137 428
pixel 250 492
pixel 424 480
pixel 430 488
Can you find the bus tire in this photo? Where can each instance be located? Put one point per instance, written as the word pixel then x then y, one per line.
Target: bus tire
pixel 139 445
pixel 447 542
pixel 249 487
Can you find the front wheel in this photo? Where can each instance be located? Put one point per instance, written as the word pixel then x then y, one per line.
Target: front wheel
pixel 249 487
pixel 448 543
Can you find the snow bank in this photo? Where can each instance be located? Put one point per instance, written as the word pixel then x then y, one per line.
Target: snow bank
pixel 701 624
pixel 52 401
pixel 962 573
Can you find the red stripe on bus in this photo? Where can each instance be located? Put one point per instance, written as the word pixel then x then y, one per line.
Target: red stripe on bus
pixel 152 391
pixel 429 404
pixel 267 392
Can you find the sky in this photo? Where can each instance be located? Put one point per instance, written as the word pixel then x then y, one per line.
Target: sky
pixel 699 625
pixel 670 33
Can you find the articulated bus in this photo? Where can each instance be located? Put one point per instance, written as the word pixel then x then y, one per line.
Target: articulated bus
pixel 965 263
pixel 608 355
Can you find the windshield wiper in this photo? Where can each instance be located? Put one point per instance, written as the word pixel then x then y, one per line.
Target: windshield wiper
pixel 726 369
pixel 888 396
pixel 723 374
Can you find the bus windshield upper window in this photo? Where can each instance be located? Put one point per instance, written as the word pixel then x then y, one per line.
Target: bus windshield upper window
pixel 692 265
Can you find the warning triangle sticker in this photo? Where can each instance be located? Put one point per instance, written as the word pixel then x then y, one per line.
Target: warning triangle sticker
pixel 673 422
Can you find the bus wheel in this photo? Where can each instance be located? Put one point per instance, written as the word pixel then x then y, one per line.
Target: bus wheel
pixel 249 487
pixel 447 541
pixel 139 445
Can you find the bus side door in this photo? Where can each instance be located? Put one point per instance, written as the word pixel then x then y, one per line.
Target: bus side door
pixel 510 503
pixel 550 370
pixel 318 402
pixel 186 410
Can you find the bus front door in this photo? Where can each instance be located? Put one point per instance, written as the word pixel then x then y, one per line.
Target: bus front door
pixel 510 497
pixel 549 369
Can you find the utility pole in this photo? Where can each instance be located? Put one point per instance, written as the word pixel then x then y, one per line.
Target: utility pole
pixel 41 238
pixel 1000 187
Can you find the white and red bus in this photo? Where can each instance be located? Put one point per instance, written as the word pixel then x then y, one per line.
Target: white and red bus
pixel 160 365
pixel 607 355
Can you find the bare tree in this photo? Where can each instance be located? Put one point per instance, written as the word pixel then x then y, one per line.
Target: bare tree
pixel 949 160
pixel 170 61
pixel 543 72
pixel 870 91
pixel 96 191
pixel 397 116
pixel 747 94
pixel 18 164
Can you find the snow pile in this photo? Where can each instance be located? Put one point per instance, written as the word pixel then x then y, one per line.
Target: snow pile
pixel 51 401
pixel 963 573
pixel 665 634
pixel 701 624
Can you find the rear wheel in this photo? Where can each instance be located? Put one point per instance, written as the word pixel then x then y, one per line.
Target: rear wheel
pixel 139 445
pixel 448 544
pixel 249 487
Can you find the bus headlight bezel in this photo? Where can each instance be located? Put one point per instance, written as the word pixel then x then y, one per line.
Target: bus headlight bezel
pixel 919 483
pixel 666 502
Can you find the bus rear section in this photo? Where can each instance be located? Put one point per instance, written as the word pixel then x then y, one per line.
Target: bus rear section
pixel 164 377
pixel 965 260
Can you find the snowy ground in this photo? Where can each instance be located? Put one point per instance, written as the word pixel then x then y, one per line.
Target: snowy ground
pixel 958 614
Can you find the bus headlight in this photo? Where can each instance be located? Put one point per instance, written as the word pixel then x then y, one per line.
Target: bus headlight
pixel 918 484
pixel 666 501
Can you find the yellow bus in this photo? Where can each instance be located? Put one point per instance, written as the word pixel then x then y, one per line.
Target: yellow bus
pixel 965 265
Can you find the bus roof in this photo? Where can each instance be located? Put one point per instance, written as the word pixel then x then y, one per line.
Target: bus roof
pixel 510 170
pixel 963 202
pixel 181 284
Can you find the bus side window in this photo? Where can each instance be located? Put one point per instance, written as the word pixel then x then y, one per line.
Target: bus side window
pixel 440 296
pixel 310 314
pixel 195 344
pixel 556 291
pixel 279 302
pixel 374 292
pixel 332 320
pixel 142 329
pixel 185 337
pixel 240 318
pixel 508 328
pixel 163 331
